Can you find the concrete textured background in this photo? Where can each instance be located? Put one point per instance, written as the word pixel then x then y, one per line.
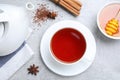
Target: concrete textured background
pixel 106 65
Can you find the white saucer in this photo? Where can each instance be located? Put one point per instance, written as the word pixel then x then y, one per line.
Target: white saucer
pixel 74 69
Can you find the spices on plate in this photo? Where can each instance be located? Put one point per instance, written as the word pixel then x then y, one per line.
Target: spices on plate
pixel 33 69
pixel 42 13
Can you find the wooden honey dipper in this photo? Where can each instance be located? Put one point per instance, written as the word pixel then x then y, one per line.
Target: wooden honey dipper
pixel 74 6
pixel 112 27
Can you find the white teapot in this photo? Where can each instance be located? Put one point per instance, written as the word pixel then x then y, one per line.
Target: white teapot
pixel 14 28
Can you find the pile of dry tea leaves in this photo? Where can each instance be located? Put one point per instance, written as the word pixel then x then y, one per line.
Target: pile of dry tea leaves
pixel 42 13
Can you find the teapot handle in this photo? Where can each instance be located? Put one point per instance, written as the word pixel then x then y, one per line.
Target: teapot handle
pixel 3 16
pixel 3 20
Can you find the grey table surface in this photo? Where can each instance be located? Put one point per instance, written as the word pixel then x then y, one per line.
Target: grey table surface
pixel 106 65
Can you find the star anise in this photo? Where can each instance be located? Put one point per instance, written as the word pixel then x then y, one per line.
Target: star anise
pixel 33 69
pixel 52 15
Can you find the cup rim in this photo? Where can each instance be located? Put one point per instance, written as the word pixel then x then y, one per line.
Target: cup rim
pixel 57 59
pixel 98 23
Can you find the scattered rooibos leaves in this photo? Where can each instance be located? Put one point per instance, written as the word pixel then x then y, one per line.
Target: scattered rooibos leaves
pixel 42 13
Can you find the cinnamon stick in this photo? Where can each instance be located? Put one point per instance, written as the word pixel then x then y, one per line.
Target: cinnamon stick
pixel 70 8
pixel 73 4
pixel 77 2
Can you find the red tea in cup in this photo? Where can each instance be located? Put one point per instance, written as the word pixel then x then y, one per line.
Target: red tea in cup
pixel 68 45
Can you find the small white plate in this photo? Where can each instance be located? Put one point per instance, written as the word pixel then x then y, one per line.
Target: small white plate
pixel 74 69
